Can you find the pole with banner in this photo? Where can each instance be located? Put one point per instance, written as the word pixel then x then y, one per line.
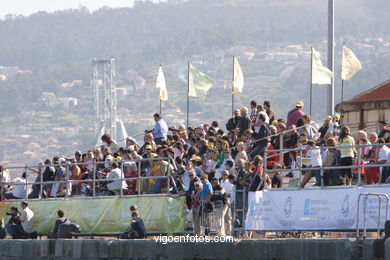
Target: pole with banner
pixel 238 80
pixel 342 78
pixel 161 85
pixel 233 87
pixel 350 65
pixel 188 94
pixel 311 79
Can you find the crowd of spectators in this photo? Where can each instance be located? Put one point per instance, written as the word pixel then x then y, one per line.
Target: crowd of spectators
pixel 207 163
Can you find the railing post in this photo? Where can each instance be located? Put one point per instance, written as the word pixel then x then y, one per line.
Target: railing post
pixel 365 216
pixel 379 215
pixel 122 178
pixel 93 179
pixel 67 181
pixel 169 175
pixel 26 193
pixel 264 181
pixel 300 163
pixel 359 159
pixel 138 178
pixel 41 182
pixel 281 157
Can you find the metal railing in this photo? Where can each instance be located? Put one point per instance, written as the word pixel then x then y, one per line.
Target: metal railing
pixel 379 196
pixel 95 182
pixel 301 151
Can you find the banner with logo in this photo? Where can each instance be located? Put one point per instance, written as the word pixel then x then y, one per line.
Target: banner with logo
pixel 160 214
pixel 314 209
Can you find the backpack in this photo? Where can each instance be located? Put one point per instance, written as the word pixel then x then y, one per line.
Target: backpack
pixel 65 230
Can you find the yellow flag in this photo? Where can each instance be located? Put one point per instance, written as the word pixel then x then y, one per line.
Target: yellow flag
pixel 199 83
pixel 320 74
pixel 238 77
pixel 160 84
pixel 350 64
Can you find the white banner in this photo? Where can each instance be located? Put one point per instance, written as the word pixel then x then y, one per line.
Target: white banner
pixel 314 209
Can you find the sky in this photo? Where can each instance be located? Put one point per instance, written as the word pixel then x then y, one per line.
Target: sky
pixel 27 7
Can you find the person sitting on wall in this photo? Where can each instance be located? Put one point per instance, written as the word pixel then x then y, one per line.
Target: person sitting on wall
pixel 60 220
pixel 2 229
pixel 137 228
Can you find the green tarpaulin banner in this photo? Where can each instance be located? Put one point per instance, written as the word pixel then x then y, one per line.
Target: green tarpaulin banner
pixel 160 214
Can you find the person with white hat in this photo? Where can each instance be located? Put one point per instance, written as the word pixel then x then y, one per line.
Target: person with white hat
pixel 294 114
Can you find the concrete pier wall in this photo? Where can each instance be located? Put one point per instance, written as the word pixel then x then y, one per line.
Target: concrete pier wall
pixel 87 249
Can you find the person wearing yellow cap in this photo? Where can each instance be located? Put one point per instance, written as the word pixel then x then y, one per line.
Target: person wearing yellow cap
pixel 275 122
pixel 245 122
pixel 294 114
pixel 336 117
pixel 334 127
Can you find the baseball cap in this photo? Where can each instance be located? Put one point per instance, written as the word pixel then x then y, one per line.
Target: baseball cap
pixel 198 159
pixel 148 147
pixel 244 109
pixel 329 117
pixel 153 155
pixel 275 122
pixel 299 104
pixel 336 116
pixel 61 160
pixel 131 139
pixel 130 149
pixel 215 179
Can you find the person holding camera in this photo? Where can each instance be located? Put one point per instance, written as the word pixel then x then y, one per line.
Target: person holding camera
pixel 21 224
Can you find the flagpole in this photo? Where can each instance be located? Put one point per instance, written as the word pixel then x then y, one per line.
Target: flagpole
pixel 233 89
pixel 160 106
pixel 342 81
pixel 188 94
pixel 330 101
pixel 311 79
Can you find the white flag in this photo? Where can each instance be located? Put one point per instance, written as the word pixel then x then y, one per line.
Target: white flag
pixel 238 77
pixel 350 64
pixel 320 74
pixel 160 84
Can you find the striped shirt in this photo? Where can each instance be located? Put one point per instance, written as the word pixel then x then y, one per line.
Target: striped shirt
pixel 347 152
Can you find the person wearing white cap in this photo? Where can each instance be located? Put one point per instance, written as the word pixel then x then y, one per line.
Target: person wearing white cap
pixel 294 114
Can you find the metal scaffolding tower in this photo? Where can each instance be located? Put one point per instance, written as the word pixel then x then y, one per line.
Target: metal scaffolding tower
pixel 104 102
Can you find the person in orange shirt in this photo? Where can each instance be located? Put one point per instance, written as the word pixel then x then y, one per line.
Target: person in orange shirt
pixel 76 175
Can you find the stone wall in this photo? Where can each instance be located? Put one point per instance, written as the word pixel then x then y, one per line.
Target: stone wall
pixel 88 249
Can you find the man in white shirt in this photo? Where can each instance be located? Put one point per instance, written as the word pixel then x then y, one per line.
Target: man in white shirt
pixel 257 124
pixel 384 158
pixel 229 190
pixel 4 178
pixel 27 218
pixel 314 153
pixel 22 224
pixel 115 184
pixel 114 147
pixel 160 130
pixel 20 189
